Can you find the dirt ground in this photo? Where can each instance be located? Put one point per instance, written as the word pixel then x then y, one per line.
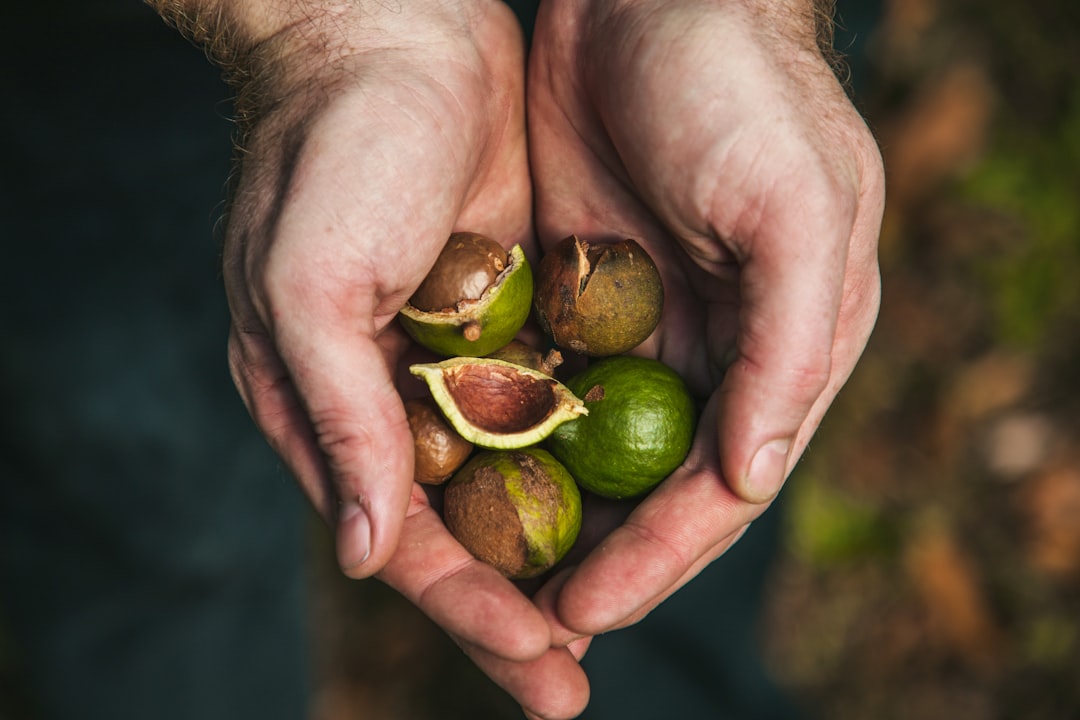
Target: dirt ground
pixel 932 567
pixel 931 562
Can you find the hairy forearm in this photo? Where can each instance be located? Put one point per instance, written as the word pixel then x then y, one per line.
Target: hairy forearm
pixel 227 30
pixel 270 49
pixel 813 21
pixel 245 38
pixel 824 31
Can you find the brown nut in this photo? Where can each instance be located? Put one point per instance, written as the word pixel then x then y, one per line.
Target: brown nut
pixel 598 300
pixel 466 267
pixel 440 450
pixel 521 353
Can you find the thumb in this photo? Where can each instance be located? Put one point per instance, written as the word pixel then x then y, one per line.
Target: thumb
pixel 791 282
pixel 327 405
pixel 359 430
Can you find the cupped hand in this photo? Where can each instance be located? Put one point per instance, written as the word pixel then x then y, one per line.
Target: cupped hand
pixel 376 133
pixel 717 135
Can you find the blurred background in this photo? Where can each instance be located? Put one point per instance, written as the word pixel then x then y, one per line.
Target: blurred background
pixel 929 543
pixel 932 539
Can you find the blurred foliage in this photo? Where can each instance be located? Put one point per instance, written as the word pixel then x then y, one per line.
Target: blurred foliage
pixel 1032 177
pixel 932 563
pixel 827 525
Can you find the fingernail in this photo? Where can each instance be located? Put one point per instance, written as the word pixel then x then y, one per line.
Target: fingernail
pixel 353 534
pixel 768 470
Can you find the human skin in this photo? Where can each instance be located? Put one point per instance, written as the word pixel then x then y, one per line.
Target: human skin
pixel 714 132
pixel 370 134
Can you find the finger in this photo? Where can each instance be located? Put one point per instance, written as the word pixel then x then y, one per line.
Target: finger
pixel 664 543
pixel 792 259
pixel 546 600
pixel 648 597
pixel 686 522
pixel 467 598
pixel 360 425
pixel 270 397
pixel 861 294
pixel 579 647
pixel 497 627
pixel 811 291
pixel 323 394
pixel 651 603
pixel 551 687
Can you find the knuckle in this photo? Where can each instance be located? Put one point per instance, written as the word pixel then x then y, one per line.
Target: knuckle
pixel 342 440
pixel 807 379
pixel 673 552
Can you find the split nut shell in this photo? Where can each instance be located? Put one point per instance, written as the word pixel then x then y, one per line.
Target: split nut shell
pixel 497 404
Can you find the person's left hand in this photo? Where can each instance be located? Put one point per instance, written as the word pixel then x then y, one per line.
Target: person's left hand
pixel 716 135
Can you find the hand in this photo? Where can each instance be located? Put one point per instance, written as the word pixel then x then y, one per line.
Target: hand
pixel 375 134
pixel 716 134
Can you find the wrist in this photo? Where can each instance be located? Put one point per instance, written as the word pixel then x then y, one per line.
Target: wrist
pixel 809 24
pixel 273 51
pixel 804 23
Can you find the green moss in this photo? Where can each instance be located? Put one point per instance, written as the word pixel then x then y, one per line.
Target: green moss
pixel 826 526
pixel 1030 175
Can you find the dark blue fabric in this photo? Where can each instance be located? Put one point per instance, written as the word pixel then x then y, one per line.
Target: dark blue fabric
pixel 150 547
pixel 697 656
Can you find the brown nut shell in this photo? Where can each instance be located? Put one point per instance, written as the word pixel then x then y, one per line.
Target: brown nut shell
pixel 466 267
pixel 600 299
pixel 518 510
pixel 521 353
pixel 440 450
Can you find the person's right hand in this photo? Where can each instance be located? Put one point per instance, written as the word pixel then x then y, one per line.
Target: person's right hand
pixel 376 132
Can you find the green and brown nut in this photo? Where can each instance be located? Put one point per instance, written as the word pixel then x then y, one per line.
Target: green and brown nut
pixel 474 299
pixel 517 510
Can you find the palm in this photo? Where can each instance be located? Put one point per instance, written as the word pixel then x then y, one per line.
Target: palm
pixel 344 201
pixel 602 171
